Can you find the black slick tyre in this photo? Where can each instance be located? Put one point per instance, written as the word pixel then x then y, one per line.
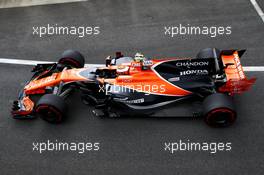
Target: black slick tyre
pixel 219 110
pixel 51 108
pixel 73 59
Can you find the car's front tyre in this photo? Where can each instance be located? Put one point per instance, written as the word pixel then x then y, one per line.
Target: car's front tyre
pixel 72 59
pixel 51 108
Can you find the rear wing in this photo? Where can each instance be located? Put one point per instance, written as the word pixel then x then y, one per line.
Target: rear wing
pixel 237 82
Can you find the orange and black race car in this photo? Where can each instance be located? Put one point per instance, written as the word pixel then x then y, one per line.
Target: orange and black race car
pixel 201 86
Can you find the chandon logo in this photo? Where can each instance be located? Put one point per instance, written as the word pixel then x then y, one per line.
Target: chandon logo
pixel 188 64
pixel 197 72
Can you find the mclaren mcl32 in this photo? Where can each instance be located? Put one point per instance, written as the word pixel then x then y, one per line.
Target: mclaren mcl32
pixel 201 86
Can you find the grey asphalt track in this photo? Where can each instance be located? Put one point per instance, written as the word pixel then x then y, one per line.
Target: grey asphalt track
pixel 130 145
pixel 261 4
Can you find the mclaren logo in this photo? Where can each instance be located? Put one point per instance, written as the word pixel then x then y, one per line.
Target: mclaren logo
pixel 194 64
pixel 194 72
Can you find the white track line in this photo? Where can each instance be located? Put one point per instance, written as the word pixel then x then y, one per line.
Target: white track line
pixel 26 3
pixel 253 68
pixel 258 9
pixel 23 62
pixel 33 62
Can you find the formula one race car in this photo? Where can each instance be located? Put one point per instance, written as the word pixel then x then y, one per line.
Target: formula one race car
pixel 201 86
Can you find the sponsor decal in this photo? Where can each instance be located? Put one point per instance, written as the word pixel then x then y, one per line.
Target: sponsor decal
pixel 136 64
pixel 239 67
pixel 174 79
pixel 147 63
pixel 121 99
pixel 194 64
pixel 41 82
pixel 126 80
pixel 141 100
pixel 194 72
pixel 136 101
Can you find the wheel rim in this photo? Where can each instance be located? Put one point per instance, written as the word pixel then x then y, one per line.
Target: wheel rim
pixel 49 113
pixel 221 117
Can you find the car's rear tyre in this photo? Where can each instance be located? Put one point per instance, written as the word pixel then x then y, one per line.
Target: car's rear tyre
pixel 73 59
pixel 219 110
pixel 51 108
pixel 209 53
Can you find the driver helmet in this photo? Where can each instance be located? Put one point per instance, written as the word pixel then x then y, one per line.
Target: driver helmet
pixel 139 57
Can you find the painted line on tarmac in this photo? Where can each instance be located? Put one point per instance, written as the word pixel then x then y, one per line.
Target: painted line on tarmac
pixel 258 9
pixel 33 62
pixel 26 3
pixel 253 68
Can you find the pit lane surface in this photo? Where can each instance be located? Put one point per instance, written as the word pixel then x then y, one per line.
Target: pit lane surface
pixel 130 145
